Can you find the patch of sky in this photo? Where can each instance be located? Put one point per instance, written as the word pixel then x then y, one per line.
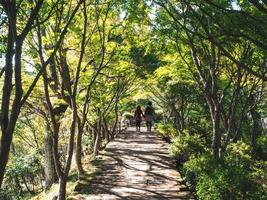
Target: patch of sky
pixel 122 15
pixel 235 5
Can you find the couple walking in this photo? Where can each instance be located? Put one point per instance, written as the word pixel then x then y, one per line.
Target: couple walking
pixel 148 115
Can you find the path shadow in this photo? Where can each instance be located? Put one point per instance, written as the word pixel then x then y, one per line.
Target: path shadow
pixel 136 166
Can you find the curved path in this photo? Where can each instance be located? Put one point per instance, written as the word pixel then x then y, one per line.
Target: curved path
pixel 137 166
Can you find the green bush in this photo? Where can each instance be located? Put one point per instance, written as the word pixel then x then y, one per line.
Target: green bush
pixel 259 177
pixel 223 182
pixel 237 176
pixel 166 130
pixel 239 154
pixel 197 165
pixel 261 148
pixel 7 195
pixel 212 186
pixel 185 145
pixel 22 167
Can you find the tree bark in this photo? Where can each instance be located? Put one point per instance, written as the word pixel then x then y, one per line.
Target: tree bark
pixel 209 85
pixel 177 120
pixel 114 128
pixel 97 139
pixel 6 137
pixel 216 143
pixel 62 188
pixel 78 155
pixel 96 145
pixel 49 167
pixel 107 132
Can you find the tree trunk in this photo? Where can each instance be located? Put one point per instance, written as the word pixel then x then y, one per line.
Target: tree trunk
pixel 103 131
pixel 49 167
pixel 177 118
pixel 6 137
pixel 114 128
pixel 257 128
pixel 182 115
pixel 216 143
pixel 4 153
pixel 96 145
pixel 97 139
pixel 107 132
pixel 94 134
pixel 78 155
pixel 215 113
pixel 62 188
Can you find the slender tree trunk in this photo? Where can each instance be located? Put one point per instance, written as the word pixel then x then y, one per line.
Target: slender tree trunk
pixel 49 167
pixel 106 130
pixel 216 143
pixel 6 136
pixel 215 113
pixel 183 107
pixel 96 145
pixel 80 123
pixel 4 152
pixel 114 128
pixel 177 124
pixel 177 120
pixel 62 187
pixel 94 134
pixel 257 128
pixel 78 155
pixel 97 139
pixel 103 130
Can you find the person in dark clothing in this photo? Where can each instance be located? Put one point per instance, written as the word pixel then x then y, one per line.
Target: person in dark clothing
pixel 138 117
pixel 149 115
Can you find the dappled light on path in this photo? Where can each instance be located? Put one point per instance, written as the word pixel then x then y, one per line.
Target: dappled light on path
pixel 136 166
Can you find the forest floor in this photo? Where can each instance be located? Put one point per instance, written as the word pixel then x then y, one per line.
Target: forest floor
pixel 135 166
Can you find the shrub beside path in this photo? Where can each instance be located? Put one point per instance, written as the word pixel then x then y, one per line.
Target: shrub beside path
pixel 136 166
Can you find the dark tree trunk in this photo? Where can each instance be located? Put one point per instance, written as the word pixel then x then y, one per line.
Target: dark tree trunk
pixel 4 153
pixel 78 155
pixel 103 130
pixel 6 137
pixel 106 130
pixel 62 188
pixel 177 119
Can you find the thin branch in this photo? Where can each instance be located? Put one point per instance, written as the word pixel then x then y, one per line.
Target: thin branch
pixel 31 19
pixel 48 61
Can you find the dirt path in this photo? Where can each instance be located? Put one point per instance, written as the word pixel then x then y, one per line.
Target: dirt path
pixel 137 166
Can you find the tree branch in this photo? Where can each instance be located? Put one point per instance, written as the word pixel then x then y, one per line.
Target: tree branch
pixel 259 6
pixel 31 19
pixel 48 61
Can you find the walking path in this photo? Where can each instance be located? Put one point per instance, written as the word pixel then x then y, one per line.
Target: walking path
pixel 137 166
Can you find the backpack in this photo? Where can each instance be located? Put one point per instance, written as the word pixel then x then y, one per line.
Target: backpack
pixel 149 110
